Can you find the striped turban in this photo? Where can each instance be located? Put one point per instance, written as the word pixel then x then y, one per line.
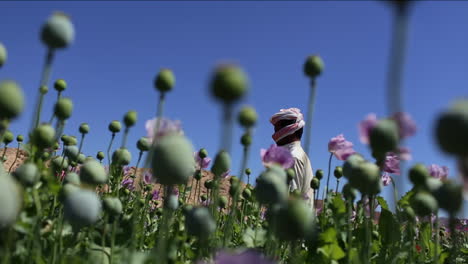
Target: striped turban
pixel 293 114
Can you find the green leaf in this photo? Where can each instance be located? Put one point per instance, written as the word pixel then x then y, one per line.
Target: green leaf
pixel 254 238
pixel 382 202
pixel 328 236
pixel 389 228
pixel 338 205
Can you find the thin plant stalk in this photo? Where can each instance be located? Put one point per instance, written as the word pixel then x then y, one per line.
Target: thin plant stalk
pixel 113 233
pixel 337 185
pixel 159 114
pixel 325 197
pixel 46 70
pixel 109 149
pixel 124 139
pixel 436 251
pixel 16 157
pixel 226 138
pixel 81 142
pixel 349 236
pixel 310 113
pixel 4 151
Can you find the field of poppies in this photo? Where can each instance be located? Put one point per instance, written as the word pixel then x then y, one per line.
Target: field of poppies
pixel 169 203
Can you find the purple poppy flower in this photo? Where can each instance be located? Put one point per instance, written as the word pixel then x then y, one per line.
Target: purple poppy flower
pixel 340 147
pixel 155 195
pixel 277 155
pixel 147 177
pixel 406 125
pixel 128 183
pixel 246 257
pixel 166 126
pixel 392 163
pixel 386 179
pixel 463 167
pixel 205 203
pixel 366 126
pixel 438 172
pixel 201 163
pixel 224 175
pixel 127 170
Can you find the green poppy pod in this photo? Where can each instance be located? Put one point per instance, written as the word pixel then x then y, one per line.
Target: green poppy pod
pixel 72 178
pixel 247 116
pixel 233 179
pixel 247 193
pixel 84 128
pixel 3 55
pixel 338 172
pixel 203 197
pixel 88 158
pixel 366 178
pixel 59 163
pixel 246 139
pixel 450 196
pixel 223 202
pixel 451 129
pixel 19 138
pixel 121 157
pixel 63 108
pixel 423 204
pixel 58 31
pixel 351 164
pixel 313 66
pixel 73 163
pixel 172 202
pixel 43 136
pixel 409 213
pixel 248 171
pixel 71 152
pixel 418 174
pixel 143 144
pixel 73 141
pixel 229 83
pixel 115 126
pixel 319 174
pixel 173 161
pixel 82 207
pixel 130 118
pixel 10 199
pixel 43 89
pixel 290 174
pixel 8 137
pixel 93 173
pixel 45 156
pixel 271 187
pixel 112 205
pixel 60 85
pixel 100 155
pixel 295 221
pixel 234 189
pixel 200 222
pixel 222 163
pixel 56 146
pixel 27 174
pixel 202 153
pixel 11 100
pixel 349 192
pixel 384 137
pixel 198 175
pixel 165 81
pixel 208 184
pixel 81 158
pixel 315 183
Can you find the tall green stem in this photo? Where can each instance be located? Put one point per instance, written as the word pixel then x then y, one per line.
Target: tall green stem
pixel 436 242
pixel 46 70
pixel 109 149
pixel 81 143
pixel 124 139
pixel 349 236
pixel 328 178
pixel 226 138
pixel 16 157
pixel 159 114
pixel 310 113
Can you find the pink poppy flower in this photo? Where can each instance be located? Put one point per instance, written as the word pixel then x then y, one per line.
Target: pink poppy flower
pixel 201 163
pixel 147 177
pixel 340 147
pixel 366 126
pixel 392 163
pixel 406 125
pixel 386 179
pixel 128 183
pixel 166 126
pixel 438 172
pixel 277 155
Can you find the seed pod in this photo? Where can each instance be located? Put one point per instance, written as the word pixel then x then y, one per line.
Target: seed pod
pixel 366 178
pixel 248 171
pixel 246 139
pixel 271 187
pixel 71 152
pixel 315 183
pixel 60 85
pixel 295 221
pixel 409 213
pixel 418 174
pixel 93 173
pixel 73 141
pixel 450 196
pixel 234 188
pixel 10 199
pixel 172 202
pixel 43 136
pixel 58 31
pixel 100 155
pixel 112 205
pixel 229 83
pixel 313 66
pixel 423 204
pixel 173 162
pixel 130 118
pixel 81 207
pixel 72 178
pixel 8 137
pixel 247 117
pixel 223 201
pixel 56 146
pixel 338 172
pixel 451 129
pixel 200 223
pixel 19 138
pixel 3 55
pixel 203 197
pixel 143 144
pixel 115 126
pixel 384 138
pixel 202 153
pixel 121 157
pixel 84 128
pixel 73 163
pixel 63 108
pixel 349 192
pixel 222 163
pixel 208 184
pixel 233 180
pixel 319 174
pixel 11 100
pixel 59 163
pixel 165 81
pixel 198 175
pixel 27 174
pixel 81 158
pixel 247 193
pixel 351 164
pixel 45 156
pixel 43 89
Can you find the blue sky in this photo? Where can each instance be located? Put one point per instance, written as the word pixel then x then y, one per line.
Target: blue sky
pixel 120 47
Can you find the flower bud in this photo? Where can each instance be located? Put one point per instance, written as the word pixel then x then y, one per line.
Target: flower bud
pixel 450 196
pixel 247 117
pixel 72 178
pixel 351 164
pixel 143 144
pixel 246 139
pixel 452 128
pixel 234 189
pixel 418 174
pixel 223 201
pixel 100 155
pixel 315 183
pixel 11 100
pixel 384 138
pixel 229 83
pixel 8 137
pixel 3 54
pixel 313 66
pixel 248 171
pixel 71 152
pixel 202 153
pixel 198 175
pixel 81 158
pixel 59 163
pixel 172 202
pixel 121 157
pixel 58 31
pixel 271 186
pixel 295 221
pixel 366 178
pixel 173 161
pixel 115 126
pixel 319 174
pixel 208 184
pixel 130 118
pixel 19 138
pixel 200 223
pixel 222 163
pixel 84 128
pixel 349 192
pixel 338 172
pixel 246 193
pixel 43 89
pixel 27 174
pixel 63 108
pixel 165 81
pixel 423 204
pixel 81 207
pixel 10 199
pixel 43 136
pixel 60 85
pixel 93 173
pixel 112 205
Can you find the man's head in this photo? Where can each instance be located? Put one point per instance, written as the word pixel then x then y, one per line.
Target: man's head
pixel 288 124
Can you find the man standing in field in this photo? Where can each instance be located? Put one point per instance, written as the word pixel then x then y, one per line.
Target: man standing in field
pixel 289 126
